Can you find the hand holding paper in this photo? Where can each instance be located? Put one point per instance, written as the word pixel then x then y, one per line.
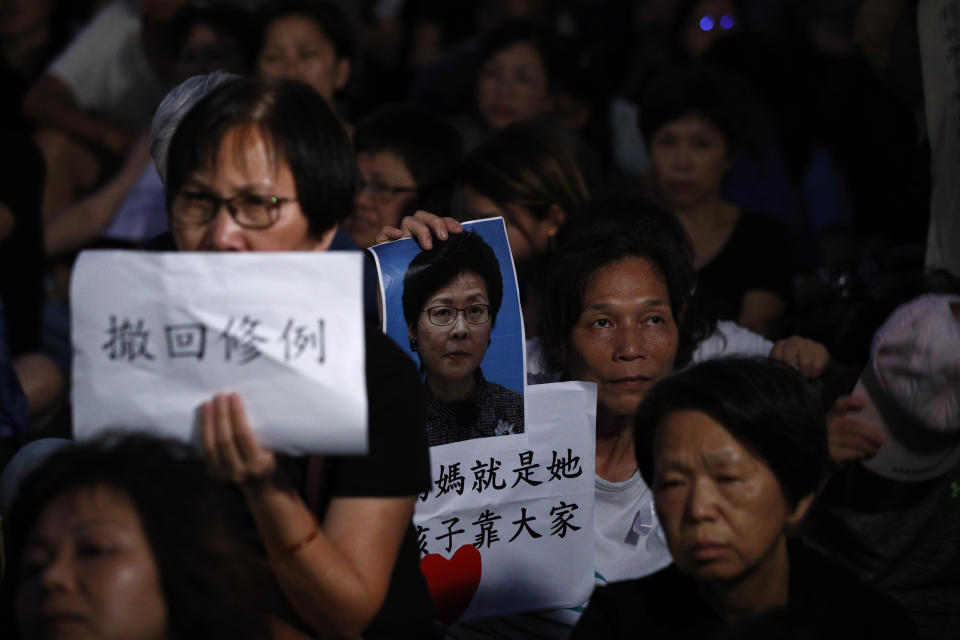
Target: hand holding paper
pixel 232 449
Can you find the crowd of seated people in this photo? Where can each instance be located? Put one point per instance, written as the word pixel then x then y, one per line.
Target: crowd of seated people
pixel 692 232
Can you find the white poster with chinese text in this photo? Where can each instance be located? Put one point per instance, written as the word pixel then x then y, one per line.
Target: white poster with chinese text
pixel 508 523
pixel 157 334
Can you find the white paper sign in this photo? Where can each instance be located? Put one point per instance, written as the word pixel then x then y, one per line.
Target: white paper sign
pixel 157 334
pixel 508 523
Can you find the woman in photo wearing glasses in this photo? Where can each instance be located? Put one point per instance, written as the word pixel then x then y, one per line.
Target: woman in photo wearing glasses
pixel 451 296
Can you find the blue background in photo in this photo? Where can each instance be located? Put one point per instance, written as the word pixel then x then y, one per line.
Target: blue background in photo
pixel 503 362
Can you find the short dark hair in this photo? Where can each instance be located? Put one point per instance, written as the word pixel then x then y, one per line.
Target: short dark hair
pixel 215 579
pixel 603 233
pixel 695 89
pixel 522 164
pixel 299 125
pixel 514 32
pixel 766 405
pixel 429 271
pixel 428 145
pixel 327 15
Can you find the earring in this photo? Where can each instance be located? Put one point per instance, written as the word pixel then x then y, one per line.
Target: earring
pixel 414 345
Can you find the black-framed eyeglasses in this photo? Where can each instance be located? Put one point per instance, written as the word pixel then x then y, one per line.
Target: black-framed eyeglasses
pixel 445 315
pixel 381 191
pixel 249 210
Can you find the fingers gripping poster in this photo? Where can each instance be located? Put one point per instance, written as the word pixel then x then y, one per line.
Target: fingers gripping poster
pixel 507 525
pixel 157 334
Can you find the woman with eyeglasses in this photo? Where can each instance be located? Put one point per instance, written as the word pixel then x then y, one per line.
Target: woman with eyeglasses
pixel 261 165
pixel 451 296
pixel 406 157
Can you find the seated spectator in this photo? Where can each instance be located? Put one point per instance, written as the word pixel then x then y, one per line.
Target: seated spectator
pixel 514 66
pixel 734 451
pixel 261 165
pixel 512 79
pixel 99 94
pixel 130 538
pixel 307 40
pixel 692 124
pixel 890 509
pixel 406 158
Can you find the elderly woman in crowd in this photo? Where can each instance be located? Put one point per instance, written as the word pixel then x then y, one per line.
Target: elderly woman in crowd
pixel 101 548
pixel 734 451
pixel 451 297
pixel 619 286
pixel 262 165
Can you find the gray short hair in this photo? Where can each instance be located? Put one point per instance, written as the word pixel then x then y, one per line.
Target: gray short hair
pixel 174 106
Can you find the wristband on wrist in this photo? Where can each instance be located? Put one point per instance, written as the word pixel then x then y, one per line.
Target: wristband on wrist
pixel 293 547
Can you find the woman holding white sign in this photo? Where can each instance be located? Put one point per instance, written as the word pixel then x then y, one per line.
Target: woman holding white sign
pixel 266 166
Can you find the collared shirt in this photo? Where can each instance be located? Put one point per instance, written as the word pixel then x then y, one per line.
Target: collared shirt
pixel 491 410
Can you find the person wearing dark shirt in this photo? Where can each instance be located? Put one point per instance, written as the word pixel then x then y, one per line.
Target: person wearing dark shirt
pixel 260 165
pixel 734 450
pixel 692 122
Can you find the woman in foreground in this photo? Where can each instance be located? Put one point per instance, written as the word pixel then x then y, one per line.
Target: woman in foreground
pixel 261 165
pixel 130 538
pixel 735 450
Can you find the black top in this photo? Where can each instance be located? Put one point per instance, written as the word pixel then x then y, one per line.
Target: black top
pixel 827 600
pixel 398 464
pixel 899 537
pixel 755 256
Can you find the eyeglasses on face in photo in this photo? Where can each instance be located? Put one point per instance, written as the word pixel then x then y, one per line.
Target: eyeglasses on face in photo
pixel 445 315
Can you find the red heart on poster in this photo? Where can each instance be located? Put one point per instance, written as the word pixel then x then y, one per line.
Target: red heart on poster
pixel 452 582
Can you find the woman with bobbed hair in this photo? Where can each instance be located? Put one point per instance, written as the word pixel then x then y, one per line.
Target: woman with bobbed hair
pixel 261 117
pixel 694 128
pixel 735 451
pixel 307 40
pixel 619 286
pixel 260 165
pixel 511 79
pixel 406 160
pixel 451 297
pixel 129 537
